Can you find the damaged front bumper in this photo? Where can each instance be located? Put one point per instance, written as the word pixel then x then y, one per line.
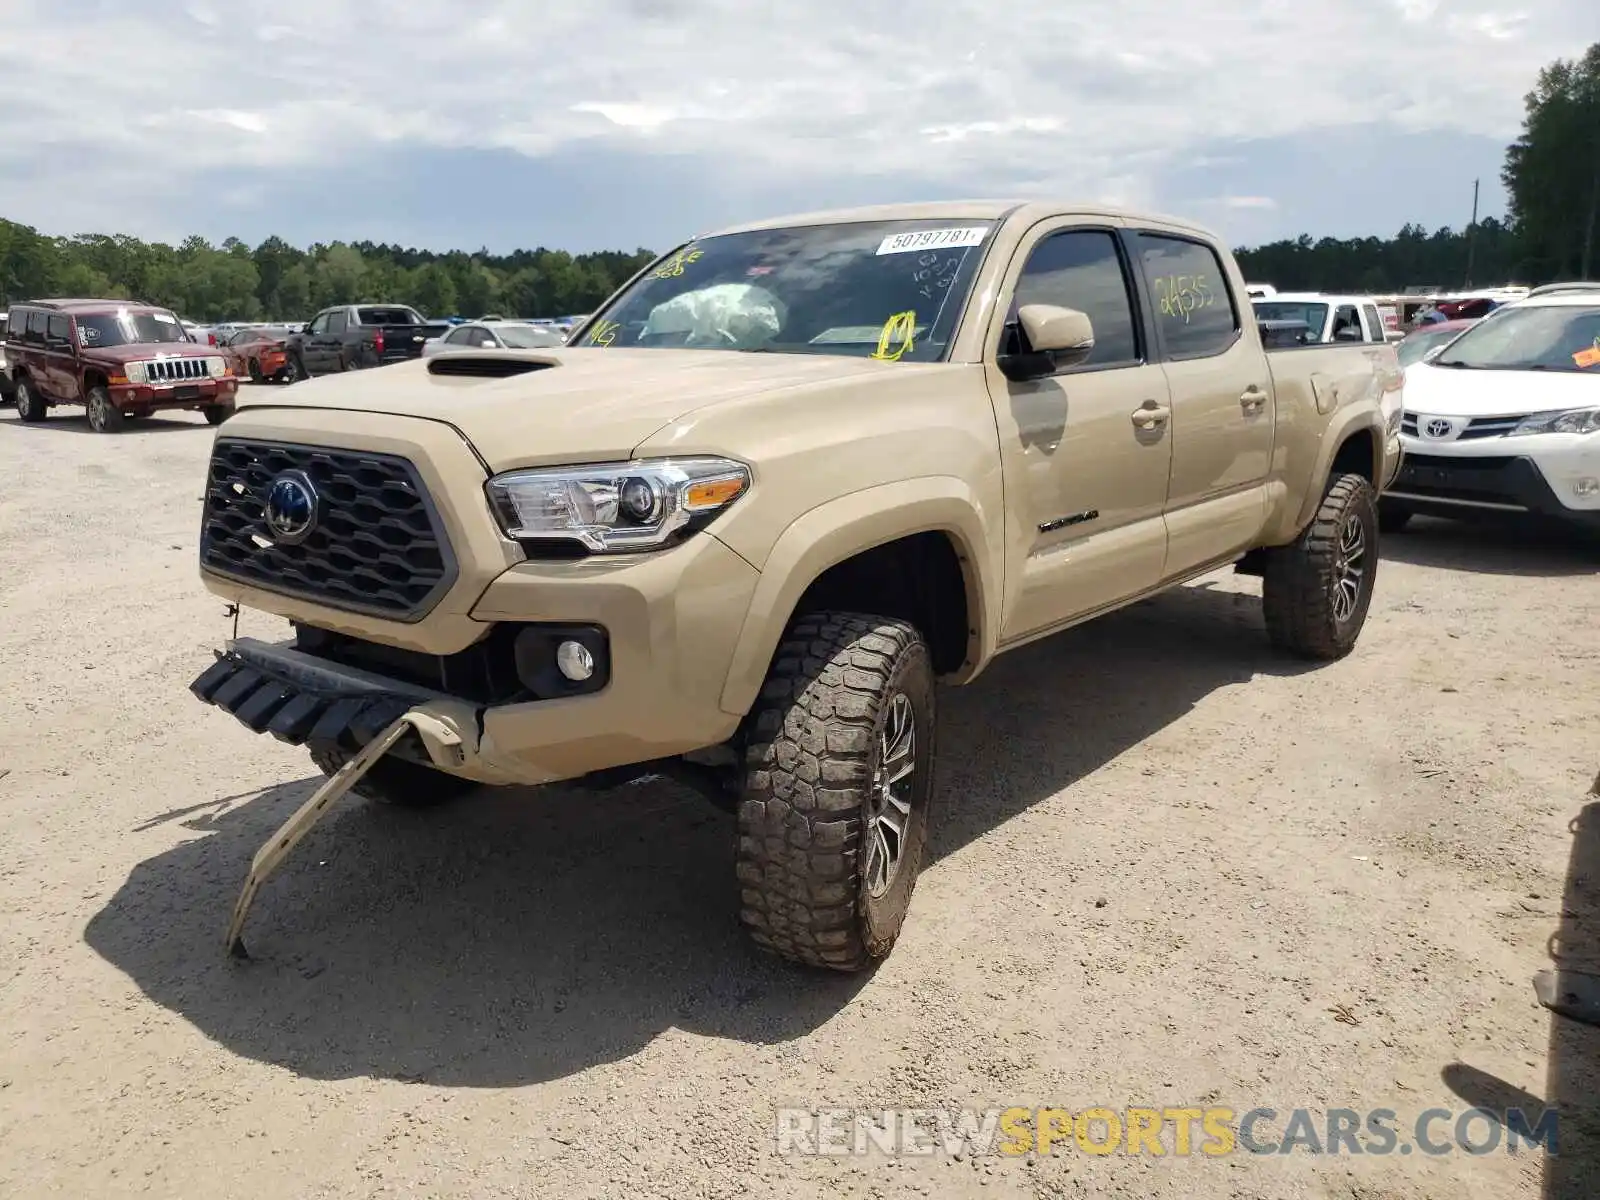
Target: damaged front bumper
pixel 300 699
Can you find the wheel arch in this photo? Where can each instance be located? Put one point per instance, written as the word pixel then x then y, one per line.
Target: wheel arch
pixel 1352 444
pixel 933 526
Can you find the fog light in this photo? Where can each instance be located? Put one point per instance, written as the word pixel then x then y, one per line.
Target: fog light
pixel 1586 487
pixel 575 661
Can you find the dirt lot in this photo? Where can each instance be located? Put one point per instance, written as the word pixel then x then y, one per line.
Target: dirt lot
pixel 1170 869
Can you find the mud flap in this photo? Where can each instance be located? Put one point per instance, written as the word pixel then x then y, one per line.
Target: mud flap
pixel 271 855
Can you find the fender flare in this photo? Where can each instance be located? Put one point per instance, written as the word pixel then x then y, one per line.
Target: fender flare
pixel 1339 430
pixel 846 526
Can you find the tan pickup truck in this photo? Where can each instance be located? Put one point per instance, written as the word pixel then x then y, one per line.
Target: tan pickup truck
pixel 787 478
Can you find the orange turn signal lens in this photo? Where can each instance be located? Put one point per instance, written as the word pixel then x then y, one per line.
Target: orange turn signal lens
pixel 712 493
pixel 118 380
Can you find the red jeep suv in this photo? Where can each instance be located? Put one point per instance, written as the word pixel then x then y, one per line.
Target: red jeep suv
pixel 118 358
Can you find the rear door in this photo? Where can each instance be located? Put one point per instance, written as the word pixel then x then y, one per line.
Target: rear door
pixel 1084 451
pixel 61 357
pixel 1222 401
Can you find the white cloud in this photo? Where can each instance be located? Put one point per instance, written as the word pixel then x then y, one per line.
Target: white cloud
pixel 1041 95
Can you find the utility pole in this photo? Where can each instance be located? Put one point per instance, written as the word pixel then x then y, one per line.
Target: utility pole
pixel 1472 231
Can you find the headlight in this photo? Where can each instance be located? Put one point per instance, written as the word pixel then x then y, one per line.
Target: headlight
pixel 1572 420
pixel 136 372
pixel 216 367
pixel 616 507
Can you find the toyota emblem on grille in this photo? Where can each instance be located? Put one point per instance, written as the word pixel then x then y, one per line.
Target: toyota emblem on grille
pixel 1438 427
pixel 291 511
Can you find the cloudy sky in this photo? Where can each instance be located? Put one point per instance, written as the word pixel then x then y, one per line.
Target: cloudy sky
pixel 597 124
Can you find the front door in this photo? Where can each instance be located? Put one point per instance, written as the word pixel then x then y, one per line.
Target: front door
pixel 315 343
pixel 1085 451
pixel 1222 403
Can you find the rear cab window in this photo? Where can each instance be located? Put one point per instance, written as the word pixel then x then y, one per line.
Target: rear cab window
pixel 1196 314
pixel 388 315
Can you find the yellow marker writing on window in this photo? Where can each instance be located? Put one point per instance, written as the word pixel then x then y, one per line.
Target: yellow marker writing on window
pixel 604 333
pixel 674 266
pixel 898 336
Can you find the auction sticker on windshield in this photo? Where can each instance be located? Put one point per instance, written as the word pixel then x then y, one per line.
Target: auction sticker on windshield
pixel 932 239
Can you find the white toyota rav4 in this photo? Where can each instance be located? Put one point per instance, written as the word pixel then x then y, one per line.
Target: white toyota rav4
pixel 1506 418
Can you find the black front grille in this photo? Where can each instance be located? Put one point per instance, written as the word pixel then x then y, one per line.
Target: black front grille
pixel 376 545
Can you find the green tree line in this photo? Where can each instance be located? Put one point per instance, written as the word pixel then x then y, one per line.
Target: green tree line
pixel 1551 231
pixel 277 281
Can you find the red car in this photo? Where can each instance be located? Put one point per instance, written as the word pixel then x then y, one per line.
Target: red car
pixel 117 358
pixel 259 355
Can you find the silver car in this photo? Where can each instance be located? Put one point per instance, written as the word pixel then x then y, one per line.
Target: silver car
pixel 493 335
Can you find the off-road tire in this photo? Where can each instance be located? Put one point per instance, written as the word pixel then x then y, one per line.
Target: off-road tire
pixel 253 369
pixel 395 781
pixel 30 405
pixel 812 745
pixel 1393 516
pixel 1301 578
pixel 294 370
pixel 216 414
pixel 104 416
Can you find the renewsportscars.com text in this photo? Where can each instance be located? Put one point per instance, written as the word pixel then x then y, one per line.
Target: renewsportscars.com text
pixel 1210 1131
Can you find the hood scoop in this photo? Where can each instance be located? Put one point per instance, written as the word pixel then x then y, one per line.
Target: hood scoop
pixel 488 366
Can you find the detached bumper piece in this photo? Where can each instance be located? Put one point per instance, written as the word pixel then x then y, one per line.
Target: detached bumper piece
pixel 283 698
pixel 289 834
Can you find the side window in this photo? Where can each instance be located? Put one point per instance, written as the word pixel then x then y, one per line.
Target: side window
pixel 1375 331
pixel 16 329
pixel 1081 269
pixel 338 321
pixel 37 322
pixel 320 323
pixel 458 335
pixel 1346 325
pixel 58 333
pixel 485 340
pixel 1194 309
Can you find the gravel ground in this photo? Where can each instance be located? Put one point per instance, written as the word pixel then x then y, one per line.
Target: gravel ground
pixel 1169 868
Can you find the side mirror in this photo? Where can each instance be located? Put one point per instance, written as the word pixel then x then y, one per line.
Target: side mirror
pixel 1056 338
pixel 1347 334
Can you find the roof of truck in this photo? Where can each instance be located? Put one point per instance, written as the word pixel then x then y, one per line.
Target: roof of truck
pixel 958 210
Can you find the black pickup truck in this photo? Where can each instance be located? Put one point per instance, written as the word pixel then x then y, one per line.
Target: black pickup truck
pixel 352 336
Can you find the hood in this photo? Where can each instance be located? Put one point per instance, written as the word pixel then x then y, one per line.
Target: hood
pixel 148 350
pixel 578 405
pixel 1460 392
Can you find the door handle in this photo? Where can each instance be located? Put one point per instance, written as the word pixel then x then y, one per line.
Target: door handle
pixel 1151 415
pixel 1253 399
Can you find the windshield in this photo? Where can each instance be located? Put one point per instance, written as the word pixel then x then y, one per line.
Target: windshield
pixel 126 328
pixel 890 290
pixel 389 316
pixel 1313 316
pixel 1415 345
pixel 1550 337
pixel 527 337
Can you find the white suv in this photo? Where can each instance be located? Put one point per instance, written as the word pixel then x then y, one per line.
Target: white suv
pixel 1506 418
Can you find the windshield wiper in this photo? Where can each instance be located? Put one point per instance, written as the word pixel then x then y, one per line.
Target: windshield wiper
pixel 1454 362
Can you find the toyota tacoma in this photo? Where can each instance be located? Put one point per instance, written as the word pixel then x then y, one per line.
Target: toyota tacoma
pixel 788 478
